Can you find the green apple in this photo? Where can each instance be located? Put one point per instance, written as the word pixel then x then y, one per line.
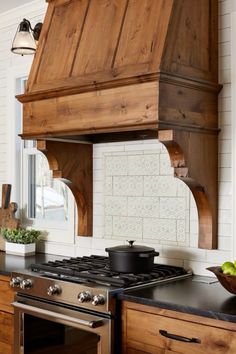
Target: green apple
pixel 229 271
pixel 227 265
pixel 233 271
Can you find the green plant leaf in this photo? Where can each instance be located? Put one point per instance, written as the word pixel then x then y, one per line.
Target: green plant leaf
pixel 21 235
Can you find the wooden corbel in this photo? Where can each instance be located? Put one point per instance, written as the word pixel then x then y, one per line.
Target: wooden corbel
pixel 193 155
pixel 72 163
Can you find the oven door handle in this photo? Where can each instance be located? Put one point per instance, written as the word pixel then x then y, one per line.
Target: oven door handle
pixel 58 316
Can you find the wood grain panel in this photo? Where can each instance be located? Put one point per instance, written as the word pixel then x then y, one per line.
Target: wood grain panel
pixel 154 351
pixel 6 333
pixel 40 49
pixel 186 106
pixel 206 321
pixel 144 27
pixel 99 38
pixel 73 164
pixel 101 111
pixel 63 36
pixel 144 329
pixel 5 348
pixel 7 295
pixel 191 44
pixel 189 152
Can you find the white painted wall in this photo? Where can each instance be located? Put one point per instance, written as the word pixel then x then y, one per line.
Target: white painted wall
pixel 138 206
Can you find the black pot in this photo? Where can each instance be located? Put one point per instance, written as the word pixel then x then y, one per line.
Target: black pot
pixel 131 258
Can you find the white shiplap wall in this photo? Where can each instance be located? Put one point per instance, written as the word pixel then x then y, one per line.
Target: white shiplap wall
pixel 110 228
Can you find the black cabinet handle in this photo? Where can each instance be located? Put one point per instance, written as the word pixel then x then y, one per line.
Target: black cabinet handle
pixel 179 338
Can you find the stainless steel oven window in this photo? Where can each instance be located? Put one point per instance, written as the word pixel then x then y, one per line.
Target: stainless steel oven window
pixel 51 329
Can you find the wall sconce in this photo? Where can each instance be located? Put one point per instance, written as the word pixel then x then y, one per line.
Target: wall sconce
pixel 24 42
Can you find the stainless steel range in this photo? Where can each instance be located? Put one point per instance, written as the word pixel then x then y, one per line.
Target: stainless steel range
pixel 70 305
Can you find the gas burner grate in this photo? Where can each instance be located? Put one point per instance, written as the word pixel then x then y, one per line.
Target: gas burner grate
pixel 96 269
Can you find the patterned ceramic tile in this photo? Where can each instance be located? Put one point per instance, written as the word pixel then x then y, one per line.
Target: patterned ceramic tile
pixel 127 227
pixel 182 189
pixel 144 165
pixel 159 186
pixel 108 186
pixel 108 225
pixel 128 185
pixel 172 208
pixel 165 165
pixel 116 165
pixel 181 231
pixel 116 206
pixel 161 229
pixel 143 206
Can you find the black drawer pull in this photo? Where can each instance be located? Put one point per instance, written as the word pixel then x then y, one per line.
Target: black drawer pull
pixel 179 338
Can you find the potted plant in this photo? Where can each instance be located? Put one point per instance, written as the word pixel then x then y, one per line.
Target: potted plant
pixel 20 241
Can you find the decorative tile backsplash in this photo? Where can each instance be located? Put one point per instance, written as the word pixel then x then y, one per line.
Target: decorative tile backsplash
pixel 142 199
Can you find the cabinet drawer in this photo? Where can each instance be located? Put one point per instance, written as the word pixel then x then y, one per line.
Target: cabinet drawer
pixel 6 329
pixel 7 296
pixel 143 330
pixel 5 348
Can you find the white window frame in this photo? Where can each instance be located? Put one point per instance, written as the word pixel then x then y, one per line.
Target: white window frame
pixel 233 130
pixel 55 231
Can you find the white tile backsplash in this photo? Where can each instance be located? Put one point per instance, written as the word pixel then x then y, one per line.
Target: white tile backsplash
pixel 145 165
pixel 160 186
pixel 165 165
pixel 116 165
pixel 108 225
pixel 159 229
pixel 127 227
pixel 171 207
pixel 116 206
pixel 128 185
pixel 143 206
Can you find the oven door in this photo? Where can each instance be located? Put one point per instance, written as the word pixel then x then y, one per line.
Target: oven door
pixel 48 328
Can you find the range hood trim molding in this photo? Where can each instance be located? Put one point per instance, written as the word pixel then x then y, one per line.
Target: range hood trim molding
pixel 99 86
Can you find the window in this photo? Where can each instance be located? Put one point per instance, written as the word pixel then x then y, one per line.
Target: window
pixel 47 197
pixel 46 203
pixel 233 130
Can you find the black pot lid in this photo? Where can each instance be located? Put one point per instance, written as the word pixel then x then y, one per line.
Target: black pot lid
pixel 130 248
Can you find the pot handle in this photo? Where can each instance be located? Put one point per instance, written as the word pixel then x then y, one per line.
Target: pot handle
pixel 148 255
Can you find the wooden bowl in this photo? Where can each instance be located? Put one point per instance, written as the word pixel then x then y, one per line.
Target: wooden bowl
pixel 227 281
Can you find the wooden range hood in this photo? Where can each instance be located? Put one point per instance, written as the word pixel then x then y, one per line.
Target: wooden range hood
pixel 116 70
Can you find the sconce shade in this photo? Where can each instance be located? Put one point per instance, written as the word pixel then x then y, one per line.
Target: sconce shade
pixel 24 42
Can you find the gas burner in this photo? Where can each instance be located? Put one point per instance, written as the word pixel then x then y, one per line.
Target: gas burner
pixel 96 269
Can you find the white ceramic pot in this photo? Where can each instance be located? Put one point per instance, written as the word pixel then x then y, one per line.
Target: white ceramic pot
pixel 20 249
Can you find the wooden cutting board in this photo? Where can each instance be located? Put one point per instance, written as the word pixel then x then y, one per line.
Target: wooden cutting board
pixel 7 212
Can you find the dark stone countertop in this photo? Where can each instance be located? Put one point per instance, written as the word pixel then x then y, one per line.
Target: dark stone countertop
pixel 9 263
pixel 189 296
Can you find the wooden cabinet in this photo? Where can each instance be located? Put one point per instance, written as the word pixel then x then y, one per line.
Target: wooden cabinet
pixel 149 330
pixel 6 316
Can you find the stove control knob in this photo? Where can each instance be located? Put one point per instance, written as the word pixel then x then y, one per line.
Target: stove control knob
pixel 98 300
pixel 26 284
pixel 15 282
pixel 85 296
pixel 53 290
